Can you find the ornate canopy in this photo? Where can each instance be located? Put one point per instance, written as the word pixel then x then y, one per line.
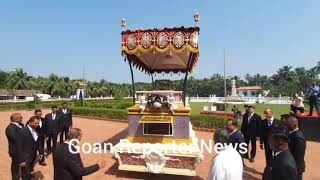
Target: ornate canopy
pixel 162 50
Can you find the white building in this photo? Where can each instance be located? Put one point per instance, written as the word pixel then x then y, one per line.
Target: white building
pixel 27 95
pixel 249 91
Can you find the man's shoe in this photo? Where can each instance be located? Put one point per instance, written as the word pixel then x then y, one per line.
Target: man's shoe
pixel 42 164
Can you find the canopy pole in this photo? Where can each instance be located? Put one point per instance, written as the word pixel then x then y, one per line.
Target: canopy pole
pixel 132 80
pixel 186 79
pixel 153 85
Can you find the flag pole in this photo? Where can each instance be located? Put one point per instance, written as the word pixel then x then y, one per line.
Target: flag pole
pixel 225 82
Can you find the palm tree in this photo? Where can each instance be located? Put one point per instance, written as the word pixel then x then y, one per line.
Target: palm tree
pixel 18 79
pixel 53 85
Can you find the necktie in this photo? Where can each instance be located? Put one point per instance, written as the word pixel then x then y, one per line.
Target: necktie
pixel 250 116
pixel 269 123
pixel 34 135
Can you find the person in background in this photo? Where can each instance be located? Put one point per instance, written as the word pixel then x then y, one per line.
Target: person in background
pixel 53 128
pixel 297 145
pixel 297 104
pixel 41 130
pixel 283 166
pixel 250 128
pixel 246 108
pixel 67 164
pixel 266 127
pixel 236 112
pixel 28 146
pixel 313 93
pixel 12 133
pixel 227 164
pixel 65 120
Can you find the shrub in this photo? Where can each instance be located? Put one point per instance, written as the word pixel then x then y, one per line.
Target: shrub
pixel 124 105
pixel 200 121
pixel 210 122
pixel 101 112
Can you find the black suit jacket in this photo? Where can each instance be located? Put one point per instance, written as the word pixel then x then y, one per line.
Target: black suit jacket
pixel 28 147
pixel 283 167
pixel 265 129
pixel 253 128
pixel 297 145
pixel 52 126
pixel 66 119
pixel 68 166
pixel 42 130
pixel 12 133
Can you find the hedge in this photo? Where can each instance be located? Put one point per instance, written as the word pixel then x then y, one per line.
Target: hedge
pixel 199 121
pixel 27 106
pixel 120 114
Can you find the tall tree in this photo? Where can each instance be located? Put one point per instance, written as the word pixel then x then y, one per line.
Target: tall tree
pixel 18 79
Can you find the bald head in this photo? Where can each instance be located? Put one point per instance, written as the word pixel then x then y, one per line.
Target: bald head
pixel 74 133
pixel 16 117
pixel 293 123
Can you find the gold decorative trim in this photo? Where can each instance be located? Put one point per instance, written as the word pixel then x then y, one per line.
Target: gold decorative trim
pixel 158 140
pixel 165 114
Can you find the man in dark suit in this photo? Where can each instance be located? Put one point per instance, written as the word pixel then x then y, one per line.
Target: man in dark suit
pixel 266 126
pixel 53 128
pixel 297 145
pixel 250 129
pixel 29 144
pixel 283 166
pixel 67 161
pixel 12 133
pixel 41 130
pixel 65 121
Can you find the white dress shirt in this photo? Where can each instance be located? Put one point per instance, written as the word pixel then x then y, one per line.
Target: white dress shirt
pixel 249 117
pixel 54 116
pixel 64 111
pixel 270 121
pixel 227 165
pixel 293 130
pixel 34 133
pixel 40 123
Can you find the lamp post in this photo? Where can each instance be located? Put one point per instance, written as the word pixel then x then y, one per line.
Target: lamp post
pixel 196 17
pixel 123 23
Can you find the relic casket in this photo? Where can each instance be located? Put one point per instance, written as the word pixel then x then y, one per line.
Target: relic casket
pixel 160 136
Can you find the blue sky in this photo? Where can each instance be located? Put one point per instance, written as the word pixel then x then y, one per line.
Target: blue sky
pixel 65 37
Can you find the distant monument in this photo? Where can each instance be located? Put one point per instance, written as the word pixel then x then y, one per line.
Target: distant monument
pixel 233 89
pixel 80 84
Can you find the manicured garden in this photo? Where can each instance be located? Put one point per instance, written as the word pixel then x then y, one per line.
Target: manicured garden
pixel 116 110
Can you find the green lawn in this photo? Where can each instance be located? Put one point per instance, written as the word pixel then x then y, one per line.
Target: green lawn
pixel 278 109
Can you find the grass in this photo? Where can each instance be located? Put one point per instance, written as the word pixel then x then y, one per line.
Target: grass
pixel 278 109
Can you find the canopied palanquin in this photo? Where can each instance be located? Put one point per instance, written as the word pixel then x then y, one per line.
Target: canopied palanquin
pixel 160 119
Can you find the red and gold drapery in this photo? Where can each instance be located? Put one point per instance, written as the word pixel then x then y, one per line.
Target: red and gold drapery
pixel 162 50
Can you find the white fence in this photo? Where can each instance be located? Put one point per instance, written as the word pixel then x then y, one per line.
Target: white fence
pixel 243 100
pixel 238 100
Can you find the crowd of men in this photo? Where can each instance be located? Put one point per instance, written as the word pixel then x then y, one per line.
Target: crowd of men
pixel 27 144
pixel 282 141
